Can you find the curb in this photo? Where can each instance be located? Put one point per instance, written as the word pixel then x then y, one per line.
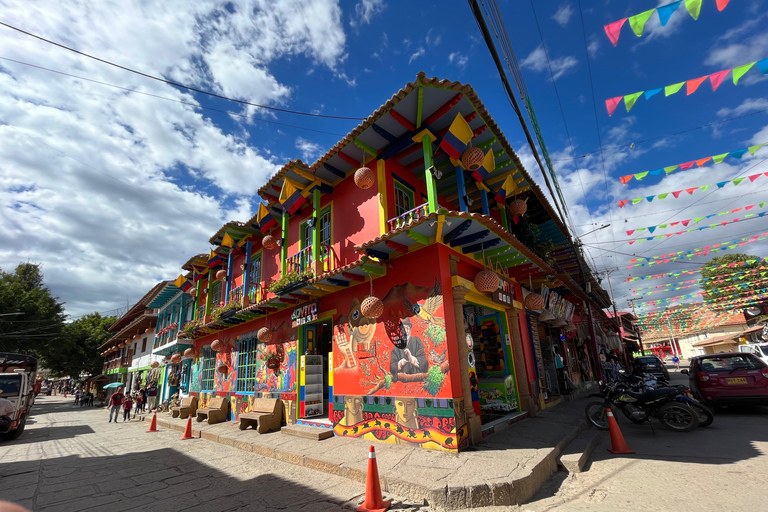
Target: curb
pixel 511 492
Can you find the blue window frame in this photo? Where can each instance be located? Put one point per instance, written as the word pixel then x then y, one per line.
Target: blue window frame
pixel 247 364
pixel 209 370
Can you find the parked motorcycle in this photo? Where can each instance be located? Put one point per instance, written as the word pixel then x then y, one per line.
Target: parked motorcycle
pixel 648 382
pixel 640 407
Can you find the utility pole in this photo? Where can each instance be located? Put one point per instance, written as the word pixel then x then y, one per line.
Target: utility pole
pixel 671 337
pixel 631 303
pixel 616 315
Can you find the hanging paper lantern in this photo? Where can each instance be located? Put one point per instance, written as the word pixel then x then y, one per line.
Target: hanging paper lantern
pixel 269 242
pixel 189 353
pixel 155 364
pixel 534 301
pixel 372 307
pixel 223 368
pixel 121 345
pixel 193 293
pixel 264 334
pixel 487 281
pixel 137 337
pixel 518 207
pixel 472 159
pixel 217 345
pixel 148 330
pixel 176 358
pixel 221 275
pixel 364 177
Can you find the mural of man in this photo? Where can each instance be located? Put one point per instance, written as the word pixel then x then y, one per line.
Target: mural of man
pixel 408 355
pixel 353 411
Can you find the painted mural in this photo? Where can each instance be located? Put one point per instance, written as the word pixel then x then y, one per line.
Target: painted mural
pixel 283 350
pixel 196 375
pixel 402 353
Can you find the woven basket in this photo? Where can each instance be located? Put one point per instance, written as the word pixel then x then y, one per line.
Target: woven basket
pixel 221 275
pixel 518 207
pixel 148 330
pixel 487 281
pixel 217 345
pixel 264 334
pixel 472 159
pixel 534 301
pixel 364 178
pixel 269 242
pixel 189 353
pixel 372 307
pixel 176 358
pixel 223 368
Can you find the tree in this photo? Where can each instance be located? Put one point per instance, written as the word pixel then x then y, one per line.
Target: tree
pixel 729 283
pixel 76 350
pixel 30 316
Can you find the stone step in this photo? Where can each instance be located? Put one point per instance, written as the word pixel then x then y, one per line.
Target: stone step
pixel 315 433
pixel 576 454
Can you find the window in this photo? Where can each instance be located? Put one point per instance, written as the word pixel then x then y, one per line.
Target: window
pixel 323 226
pixel 254 270
pixel 247 364
pixel 216 297
pixel 143 346
pixel 403 198
pixel 209 369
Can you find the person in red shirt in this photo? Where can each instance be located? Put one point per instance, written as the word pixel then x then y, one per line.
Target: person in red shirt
pixel 127 405
pixel 115 401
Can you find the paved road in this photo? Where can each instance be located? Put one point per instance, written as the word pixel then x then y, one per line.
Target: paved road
pixel 72 459
pixel 721 467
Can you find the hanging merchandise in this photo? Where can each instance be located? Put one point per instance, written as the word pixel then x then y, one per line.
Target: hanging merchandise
pixel 676 194
pixel 665 12
pixel 696 220
pixel 691 85
pixel 717 159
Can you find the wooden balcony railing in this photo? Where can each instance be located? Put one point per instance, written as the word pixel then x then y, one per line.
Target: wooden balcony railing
pixel 302 260
pixel 255 292
pixel 408 217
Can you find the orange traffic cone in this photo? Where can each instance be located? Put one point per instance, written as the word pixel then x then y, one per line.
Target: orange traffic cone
pixel 373 500
pixel 618 445
pixel 153 424
pixel 188 430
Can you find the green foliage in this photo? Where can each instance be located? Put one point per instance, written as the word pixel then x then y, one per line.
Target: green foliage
pixel 76 350
pixel 287 280
pixel 218 311
pixel 750 282
pixel 190 327
pixel 23 291
pixel 387 381
pixel 434 380
pixel 436 334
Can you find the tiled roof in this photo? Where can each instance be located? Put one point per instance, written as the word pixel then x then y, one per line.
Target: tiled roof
pixel 279 174
pixel 137 308
pixel 223 229
pixel 198 259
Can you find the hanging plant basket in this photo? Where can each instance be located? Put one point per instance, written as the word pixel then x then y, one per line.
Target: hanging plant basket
pixel 518 207
pixel 273 363
pixel 221 275
pixel 472 159
pixel 223 368
pixel 217 345
pixel 269 242
pixel 176 358
pixel 487 281
pixel 372 307
pixel 264 334
pixel 189 353
pixel 534 301
pixel 365 178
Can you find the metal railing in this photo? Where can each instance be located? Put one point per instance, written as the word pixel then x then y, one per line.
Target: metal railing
pixel 255 292
pixel 406 218
pixel 302 260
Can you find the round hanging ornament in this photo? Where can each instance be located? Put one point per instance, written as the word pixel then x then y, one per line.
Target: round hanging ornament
pixel 176 358
pixel 372 307
pixel 221 275
pixel 364 178
pixel 487 281
pixel 472 159
pixel 264 334
pixel 193 293
pixel 223 368
pixel 155 364
pixel 148 330
pixel 217 345
pixel 269 242
pixel 518 207
pixel 534 301
pixel 189 353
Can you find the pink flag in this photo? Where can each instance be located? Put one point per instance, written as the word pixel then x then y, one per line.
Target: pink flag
pixel 694 84
pixel 721 4
pixel 754 177
pixel 622 203
pixel 677 193
pixel 717 78
pixel 630 243
pixel 685 222
pixel 612 103
pixel 630 232
pixel 613 30
pixel 687 165
pixel 749 207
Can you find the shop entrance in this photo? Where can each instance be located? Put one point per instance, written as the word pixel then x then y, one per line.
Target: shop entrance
pixel 492 375
pixel 318 349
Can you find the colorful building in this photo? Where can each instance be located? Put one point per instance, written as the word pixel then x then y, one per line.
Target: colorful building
pixel 381 291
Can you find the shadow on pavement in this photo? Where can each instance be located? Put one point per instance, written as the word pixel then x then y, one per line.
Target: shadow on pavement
pixel 50 434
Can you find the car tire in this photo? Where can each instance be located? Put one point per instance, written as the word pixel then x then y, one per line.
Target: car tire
pixel 14 434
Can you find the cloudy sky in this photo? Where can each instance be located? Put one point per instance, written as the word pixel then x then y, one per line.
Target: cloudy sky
pixel 111 180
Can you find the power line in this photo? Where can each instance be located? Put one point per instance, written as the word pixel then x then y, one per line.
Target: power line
pixel 176 84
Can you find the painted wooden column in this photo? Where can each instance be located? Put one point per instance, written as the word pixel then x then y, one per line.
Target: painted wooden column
pixel 230 265
pixel 461 188
pixel 381 182
pixel 472 419
pixel 503 215
pixel 484 200
pixel 315 220
pixel 427 138
pixel 522 381
pixel 247 271
pixel 284 247
pixel 209 295
pixel 198 297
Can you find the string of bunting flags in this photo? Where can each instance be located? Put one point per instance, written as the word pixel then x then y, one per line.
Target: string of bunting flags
pixel 698 270
pixel 695 315
pixel 665 12
pixel 715 248
pixel 676 194
pixel 710 226
pixel 691 86
pixel 725 301
pixel 696 220
pixel 670 299
pixel 738 276
pixel 717 159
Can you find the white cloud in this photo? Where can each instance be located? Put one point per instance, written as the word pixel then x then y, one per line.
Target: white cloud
pixel 418 53
pixel 731 55
pixel 563 15
pixel 537 61
pixel 309 150
pixel 459 59
pixel 112 191
pixel 432 41
pixel 365 11
pixel 747 105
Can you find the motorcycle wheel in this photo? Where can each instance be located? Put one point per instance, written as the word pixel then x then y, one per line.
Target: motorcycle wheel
pixel 706 416
pixel 678 417
pixel 597 415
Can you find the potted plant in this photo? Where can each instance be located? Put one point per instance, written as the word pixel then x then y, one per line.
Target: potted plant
pixel 289 282
pixel 219 313
pixel 190 327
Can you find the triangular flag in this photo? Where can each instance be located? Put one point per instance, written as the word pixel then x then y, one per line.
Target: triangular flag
pixel 612 103
pixel 719 158
pixel 674 223
pixel 703 161
pixel 754 177
pixel 698 219
pixel 227 241
pixel 722 184
pixel 691 190
pixel 717 78
pixel 721 4
pixel 677 193
pixel 739 72
pixel 762 65
pixel 663 196
pixel 639 176
pixel 694 84
pixel 625 179
pixel 656 172
pixel 753 149
pixel 613 30
pixel 670 168
pixel 685 223
pixel 686 165
pixel 650 198
pixel 672 89
pixel 704 187
pixel 637 200
pixel 738 153
pixel 630 99
pixel 622 203
pixel 665 12
pixel 652 92
pixel 630 232
pixel 651 229
pixel 637 22
pixel 662 226
pixel 694 8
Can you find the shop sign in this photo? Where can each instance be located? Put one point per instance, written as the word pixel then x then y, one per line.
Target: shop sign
pixel 505 293
pixel 305 314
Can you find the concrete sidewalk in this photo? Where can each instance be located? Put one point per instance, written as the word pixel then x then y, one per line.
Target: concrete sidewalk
pixel 506 469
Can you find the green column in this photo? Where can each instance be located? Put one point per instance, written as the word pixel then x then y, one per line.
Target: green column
pixel 198 295
pixel 284 248
pixel 426 143
pixel 209 295
pixel 315 218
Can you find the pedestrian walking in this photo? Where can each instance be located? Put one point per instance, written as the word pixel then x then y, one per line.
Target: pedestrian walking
pixel 127 406
pixel 143 396
pixel 139 403
pixel 676 361
pixel 152 397
pixel 78 394
pixel 115 402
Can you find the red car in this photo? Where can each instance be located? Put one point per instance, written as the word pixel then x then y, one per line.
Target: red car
pixel 729 378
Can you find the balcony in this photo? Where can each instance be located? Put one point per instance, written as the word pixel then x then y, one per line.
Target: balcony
pixel 408 217
pixel 166 335
pixel 301 262
pixel 117 363
pixel 255 292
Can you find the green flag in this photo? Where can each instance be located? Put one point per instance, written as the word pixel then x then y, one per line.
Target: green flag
pixel 672 89
pixel 630 99
pixel 753 149
pixel 637 22
pixel 670 168
pixel 719 158
pixel 739 72
pixel 737 181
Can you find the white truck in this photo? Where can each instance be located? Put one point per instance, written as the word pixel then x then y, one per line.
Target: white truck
pixel 759 349
pixel 17 378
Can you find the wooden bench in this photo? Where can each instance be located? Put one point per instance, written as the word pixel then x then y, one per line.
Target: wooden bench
pixel 216 412
pixel 188 407
pixel 267 415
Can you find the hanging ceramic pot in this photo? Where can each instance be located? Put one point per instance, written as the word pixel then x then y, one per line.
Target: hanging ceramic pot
pixel 518 207
pixel 487 281
pixel 189 353
pixel 217 345
pixel 372 307
pixel 155 364
pixel 264 334
pixel 176 358
pixel 193 292
pixel 269 242
pixel 534 301
pixel 223 368
pixel 472 159
pixel 364 178
pixel 221 275
pixel 148 330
